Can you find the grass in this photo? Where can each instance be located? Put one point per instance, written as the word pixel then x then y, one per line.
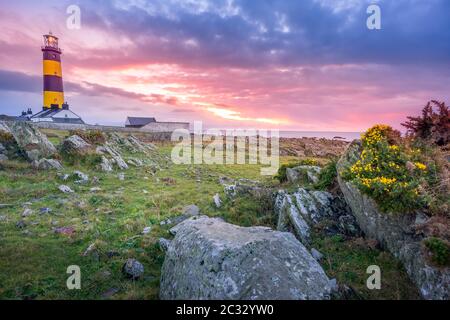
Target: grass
pixel 33 266
pixel 347 261
pixel 33 260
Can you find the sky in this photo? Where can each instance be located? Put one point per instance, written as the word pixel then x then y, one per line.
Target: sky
pixel 310 65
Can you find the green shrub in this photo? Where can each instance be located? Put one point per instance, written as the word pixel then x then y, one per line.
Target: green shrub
pixel 281 174
pixel 391 174
pixel 327 177
pixel 6 137
pixel 440 251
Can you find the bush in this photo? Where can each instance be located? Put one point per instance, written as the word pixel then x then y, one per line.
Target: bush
pixel 327 177
pixel 6 137
pixel 281 174
pixel 431 125
pixel 390 173
pixel 439 250
pixel 90 136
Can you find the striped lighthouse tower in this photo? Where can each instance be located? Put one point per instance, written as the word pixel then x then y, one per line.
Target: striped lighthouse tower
pixel 53 83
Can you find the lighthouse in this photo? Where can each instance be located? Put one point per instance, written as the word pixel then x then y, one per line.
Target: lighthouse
pixel 54 107
pixel 53 82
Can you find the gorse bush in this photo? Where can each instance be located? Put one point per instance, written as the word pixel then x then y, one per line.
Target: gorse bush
pixel 6 137
pixel 389 172
pixel 327 176
pixel 281 174
pixel 439 250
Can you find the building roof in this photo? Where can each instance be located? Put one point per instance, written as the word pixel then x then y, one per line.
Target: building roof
pixel 139 121
pixel 57 115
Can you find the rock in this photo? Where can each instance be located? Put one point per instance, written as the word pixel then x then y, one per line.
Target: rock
pixel 191 210
pixel 307 174
pixel 106 165
pixel 121 176
pixel 89 249
pixel 21 224
pixel 217 200
pixel 27 212
pixel 82 177
pixel 31 141
pixel 64 176
pixel 164 243
pixel 245 187
pixel 394 233
pixel 68 231
pixel 3 157
pixel 292 176
pixel 211 259
pixel 334 285
pixel 65 189
pixel 47 164
pixel 95 189
pixel 116 156
pixel 109 293
pixel 75 146
pixel 303 209
pixel 147 230
pixel 316 254
pixel 289 215
pixel 133 269
pixel 45 210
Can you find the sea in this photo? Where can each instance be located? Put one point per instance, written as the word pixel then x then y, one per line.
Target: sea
pixel 348 136
pixel 345 136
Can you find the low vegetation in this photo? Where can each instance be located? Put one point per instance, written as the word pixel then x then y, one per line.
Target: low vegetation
pixel 391 171
pixel 94 137
pixel 439 251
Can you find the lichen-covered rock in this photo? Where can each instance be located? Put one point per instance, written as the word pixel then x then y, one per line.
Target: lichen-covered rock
pixel 211 259
pixel 305 174
pixel 30 140
pixel 105 165
pixel 75 146
pixel 133 269
pixel 47 164
pixel 65 189
pixel 80 176
pixel 289 215
pixel 116 157
pixel 301 210
pixel 395 233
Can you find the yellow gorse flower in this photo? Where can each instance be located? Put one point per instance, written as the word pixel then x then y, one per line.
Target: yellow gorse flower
pixel 420 166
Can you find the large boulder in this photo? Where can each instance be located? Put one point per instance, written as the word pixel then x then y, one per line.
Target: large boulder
pixel 211 259
pixel 395 233
pixel 301 210
pixel 75 146
pixel 30 140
